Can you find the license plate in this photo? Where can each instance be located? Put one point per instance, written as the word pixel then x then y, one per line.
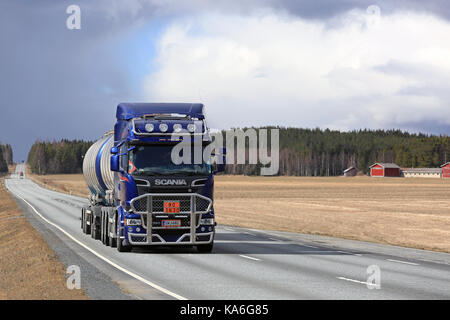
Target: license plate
pixel 171 223
pixel 171 206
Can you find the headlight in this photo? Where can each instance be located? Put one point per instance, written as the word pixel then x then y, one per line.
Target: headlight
pixel 132 222
pixel 207 221
pixel 149 127
pixel 191 127
pixel 163 127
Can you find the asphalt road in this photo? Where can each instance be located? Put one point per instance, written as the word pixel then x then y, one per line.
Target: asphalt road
pixel 245 263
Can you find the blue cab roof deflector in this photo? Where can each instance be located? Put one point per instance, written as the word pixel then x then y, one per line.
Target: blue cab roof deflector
pixel 127 111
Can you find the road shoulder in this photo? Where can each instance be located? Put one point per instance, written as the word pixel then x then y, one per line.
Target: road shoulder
pixel 94 283
pixel 30 269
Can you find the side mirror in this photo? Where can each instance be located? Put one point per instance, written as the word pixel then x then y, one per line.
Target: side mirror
pixel 114 150
pixel 115 163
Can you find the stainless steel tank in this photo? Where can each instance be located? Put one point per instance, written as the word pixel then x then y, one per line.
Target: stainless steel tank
pixel 97 167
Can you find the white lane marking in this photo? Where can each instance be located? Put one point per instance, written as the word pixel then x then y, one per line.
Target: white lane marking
pixel 137 277
pixel 404 262
pixel 356 281
pixel 353 254
pixel 247 257
pixel 249 242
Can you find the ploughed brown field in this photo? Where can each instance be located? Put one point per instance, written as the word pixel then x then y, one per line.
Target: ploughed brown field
pixel 29 269
pixel 412 212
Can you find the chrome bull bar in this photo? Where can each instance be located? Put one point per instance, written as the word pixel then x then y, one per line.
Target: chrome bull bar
pixel 150 207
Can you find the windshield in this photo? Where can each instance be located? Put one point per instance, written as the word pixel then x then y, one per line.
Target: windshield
pixel 156 160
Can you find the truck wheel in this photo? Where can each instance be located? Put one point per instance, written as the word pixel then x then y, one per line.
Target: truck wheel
pixel 82 219
pixel 120 246
pixel 112 240
pixel 95 233
pixel 205 248
pixel 86 227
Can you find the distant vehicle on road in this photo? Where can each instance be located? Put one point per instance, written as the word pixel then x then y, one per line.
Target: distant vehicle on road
pixel 139 196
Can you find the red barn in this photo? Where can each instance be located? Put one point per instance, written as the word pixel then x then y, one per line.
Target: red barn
pixel 446 170
pixel 384 170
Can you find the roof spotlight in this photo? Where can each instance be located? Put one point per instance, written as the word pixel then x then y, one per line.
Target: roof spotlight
pixel 163 127
pixel 177 127
pixel 191 127
pixel 149 127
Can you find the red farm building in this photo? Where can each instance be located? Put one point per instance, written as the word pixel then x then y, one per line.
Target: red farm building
pixel 446 170
pixel 384 170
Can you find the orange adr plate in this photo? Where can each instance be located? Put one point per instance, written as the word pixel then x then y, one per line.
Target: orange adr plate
pixel 171 206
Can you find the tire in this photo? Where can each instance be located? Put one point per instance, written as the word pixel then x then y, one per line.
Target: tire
pixel 96 224
pixel 105 228
pixel 205 248
pixel 87 228
pixel 112 240
pixel 120 246
pixel 102 227
pixel 93 228
pixel 95 232
pixel 83 223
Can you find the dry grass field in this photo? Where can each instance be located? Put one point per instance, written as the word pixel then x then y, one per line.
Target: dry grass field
pixel 29 269
pixel 408 212
pixel 411 212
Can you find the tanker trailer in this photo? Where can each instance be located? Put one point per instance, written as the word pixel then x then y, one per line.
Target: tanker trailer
pixel 138 195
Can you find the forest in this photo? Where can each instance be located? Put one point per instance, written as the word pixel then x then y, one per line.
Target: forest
pixel 6 157
pixel 64 156
pixel 316 152
pixel 303 152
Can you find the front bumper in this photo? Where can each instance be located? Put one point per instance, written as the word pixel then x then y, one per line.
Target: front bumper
pixel 150 208
pixel 184 239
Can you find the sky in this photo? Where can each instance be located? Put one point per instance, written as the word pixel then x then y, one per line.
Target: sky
pixel 343 65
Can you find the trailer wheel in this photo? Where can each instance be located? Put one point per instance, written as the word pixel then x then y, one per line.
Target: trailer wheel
pixel 82 219
pixel 205 248
pixel 86 227
pixel 106 227
pixel 120 246
pixel 95 233
pixel 102 228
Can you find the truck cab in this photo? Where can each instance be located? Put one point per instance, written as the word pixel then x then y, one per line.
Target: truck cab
pixel 163 187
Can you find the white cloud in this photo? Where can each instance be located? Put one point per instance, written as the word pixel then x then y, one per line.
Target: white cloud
pixel 269 68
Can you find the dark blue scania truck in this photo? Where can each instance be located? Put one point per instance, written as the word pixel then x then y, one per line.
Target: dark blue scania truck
pixel 139 195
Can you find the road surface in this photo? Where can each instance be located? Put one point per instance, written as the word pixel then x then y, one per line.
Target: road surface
pixel 245 263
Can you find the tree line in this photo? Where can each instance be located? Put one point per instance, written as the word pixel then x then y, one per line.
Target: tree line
pixel 317 152
pixel 6 157
pixel 64 156
pixel 303 152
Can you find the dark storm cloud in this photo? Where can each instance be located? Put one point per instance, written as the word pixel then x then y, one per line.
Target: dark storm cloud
pixel 326 9
pixel 59 83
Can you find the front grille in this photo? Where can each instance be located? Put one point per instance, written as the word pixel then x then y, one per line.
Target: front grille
pixel 154 203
